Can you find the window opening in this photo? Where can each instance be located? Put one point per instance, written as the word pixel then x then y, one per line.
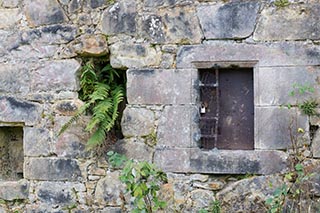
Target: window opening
pixel 11 153
pixel 226 108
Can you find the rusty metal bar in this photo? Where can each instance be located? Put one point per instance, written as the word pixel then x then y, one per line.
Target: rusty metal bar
pixel 217 106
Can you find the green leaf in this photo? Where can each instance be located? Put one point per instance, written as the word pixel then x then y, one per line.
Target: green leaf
pixel 298 167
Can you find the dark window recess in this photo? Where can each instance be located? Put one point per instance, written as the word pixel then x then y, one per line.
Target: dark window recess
pixel 227 109
pixel 11 153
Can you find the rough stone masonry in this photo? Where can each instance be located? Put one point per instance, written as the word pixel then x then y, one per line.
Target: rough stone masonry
pixel 161 45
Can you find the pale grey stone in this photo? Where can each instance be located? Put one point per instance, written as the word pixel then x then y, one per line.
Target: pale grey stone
pixel 17 111
pixel 276 83
pixel 181 27
pixel 36 141
pixel 61 193
pixel 56 169
pixel 229 20
pixel 173 160
pixel 97 3
pixel 293 22
pixel 254 192
pixel 43 12
pixel 152 28
pixel 56 76
pixel 165 3
pixel 74 6
pixel 315 146
pixel 137 122
pixel 14 79
pixel 201 198
pixel 10 3
pixel 109 189
pixel 9 18
pixel 119 18
pixel 267 55
pixel 140 152
pixel 72 142
pixel 236 161
pixel 175 126
pixel 13 190
pixel 277 127
pixel 111 210
pixel 167 61
pixel 127 55
pixel 159 86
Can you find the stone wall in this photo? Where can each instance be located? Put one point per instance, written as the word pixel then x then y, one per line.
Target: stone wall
pixel 160 44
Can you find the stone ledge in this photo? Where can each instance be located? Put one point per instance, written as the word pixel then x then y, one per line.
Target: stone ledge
pixel 13 190
pixel 221 161
pixel 279 54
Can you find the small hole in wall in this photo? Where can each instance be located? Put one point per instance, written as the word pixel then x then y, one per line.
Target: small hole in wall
pixel 11 153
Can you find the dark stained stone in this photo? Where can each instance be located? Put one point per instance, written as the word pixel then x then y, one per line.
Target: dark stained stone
pixel 17 111
pixel 43 12
pixel 120 18
pixel 52 169
pixel 152 28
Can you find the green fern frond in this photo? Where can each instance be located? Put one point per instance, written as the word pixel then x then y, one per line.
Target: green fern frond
pixel 101 91
pixel 74 118
pixel 97 138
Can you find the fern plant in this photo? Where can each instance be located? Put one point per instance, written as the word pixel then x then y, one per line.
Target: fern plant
pixel 102 95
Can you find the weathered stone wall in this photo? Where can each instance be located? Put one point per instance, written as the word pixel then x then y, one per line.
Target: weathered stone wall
pixel 160 44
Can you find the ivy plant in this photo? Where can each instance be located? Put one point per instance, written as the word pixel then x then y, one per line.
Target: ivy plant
pixel 142 180
pixel 102 93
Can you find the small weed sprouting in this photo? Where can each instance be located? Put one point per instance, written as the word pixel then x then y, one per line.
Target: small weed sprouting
pixel 142 180
pixel 308 107
pixel 281 3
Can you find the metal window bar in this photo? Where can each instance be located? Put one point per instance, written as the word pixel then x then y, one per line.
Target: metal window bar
pixel 209 119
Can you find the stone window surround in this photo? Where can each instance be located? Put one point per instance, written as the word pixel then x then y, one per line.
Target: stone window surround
pixel 266 158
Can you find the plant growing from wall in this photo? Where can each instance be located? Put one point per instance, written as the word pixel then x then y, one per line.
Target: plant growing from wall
pixel 102 94
pixel 295 189
pixel 281 3
pixel 142 180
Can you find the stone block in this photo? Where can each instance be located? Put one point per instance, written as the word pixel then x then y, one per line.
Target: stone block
pixel 127 55
pixel 55 76
pixel 68 107
pixel 268 55
pixel 96 3
pixel 53 34
pixel 175 126
pixel 180 26
pixel 14 79
pixel 237 161
pixel 152 28
pixel 275 126
pixel 10 3
pixel 36 142
pixel 119 18
pixel 16 111
pixel 43 12
pixel 137 122
pixel 55 169
pixel 283 79
pixel 165 3
pixel 173 160
pixel 254 192
pixel 91 45
pixel 13 190
pixel 293 22
pixel 315 146
pixel 134 149
pixel 201 198
pixel 109 189
pixel 72 142
pixel 58 193
pixel 9 17
pixel 153 86
pixel 230 20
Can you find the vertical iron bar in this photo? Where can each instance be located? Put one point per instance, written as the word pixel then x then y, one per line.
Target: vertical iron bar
pixel 217 106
